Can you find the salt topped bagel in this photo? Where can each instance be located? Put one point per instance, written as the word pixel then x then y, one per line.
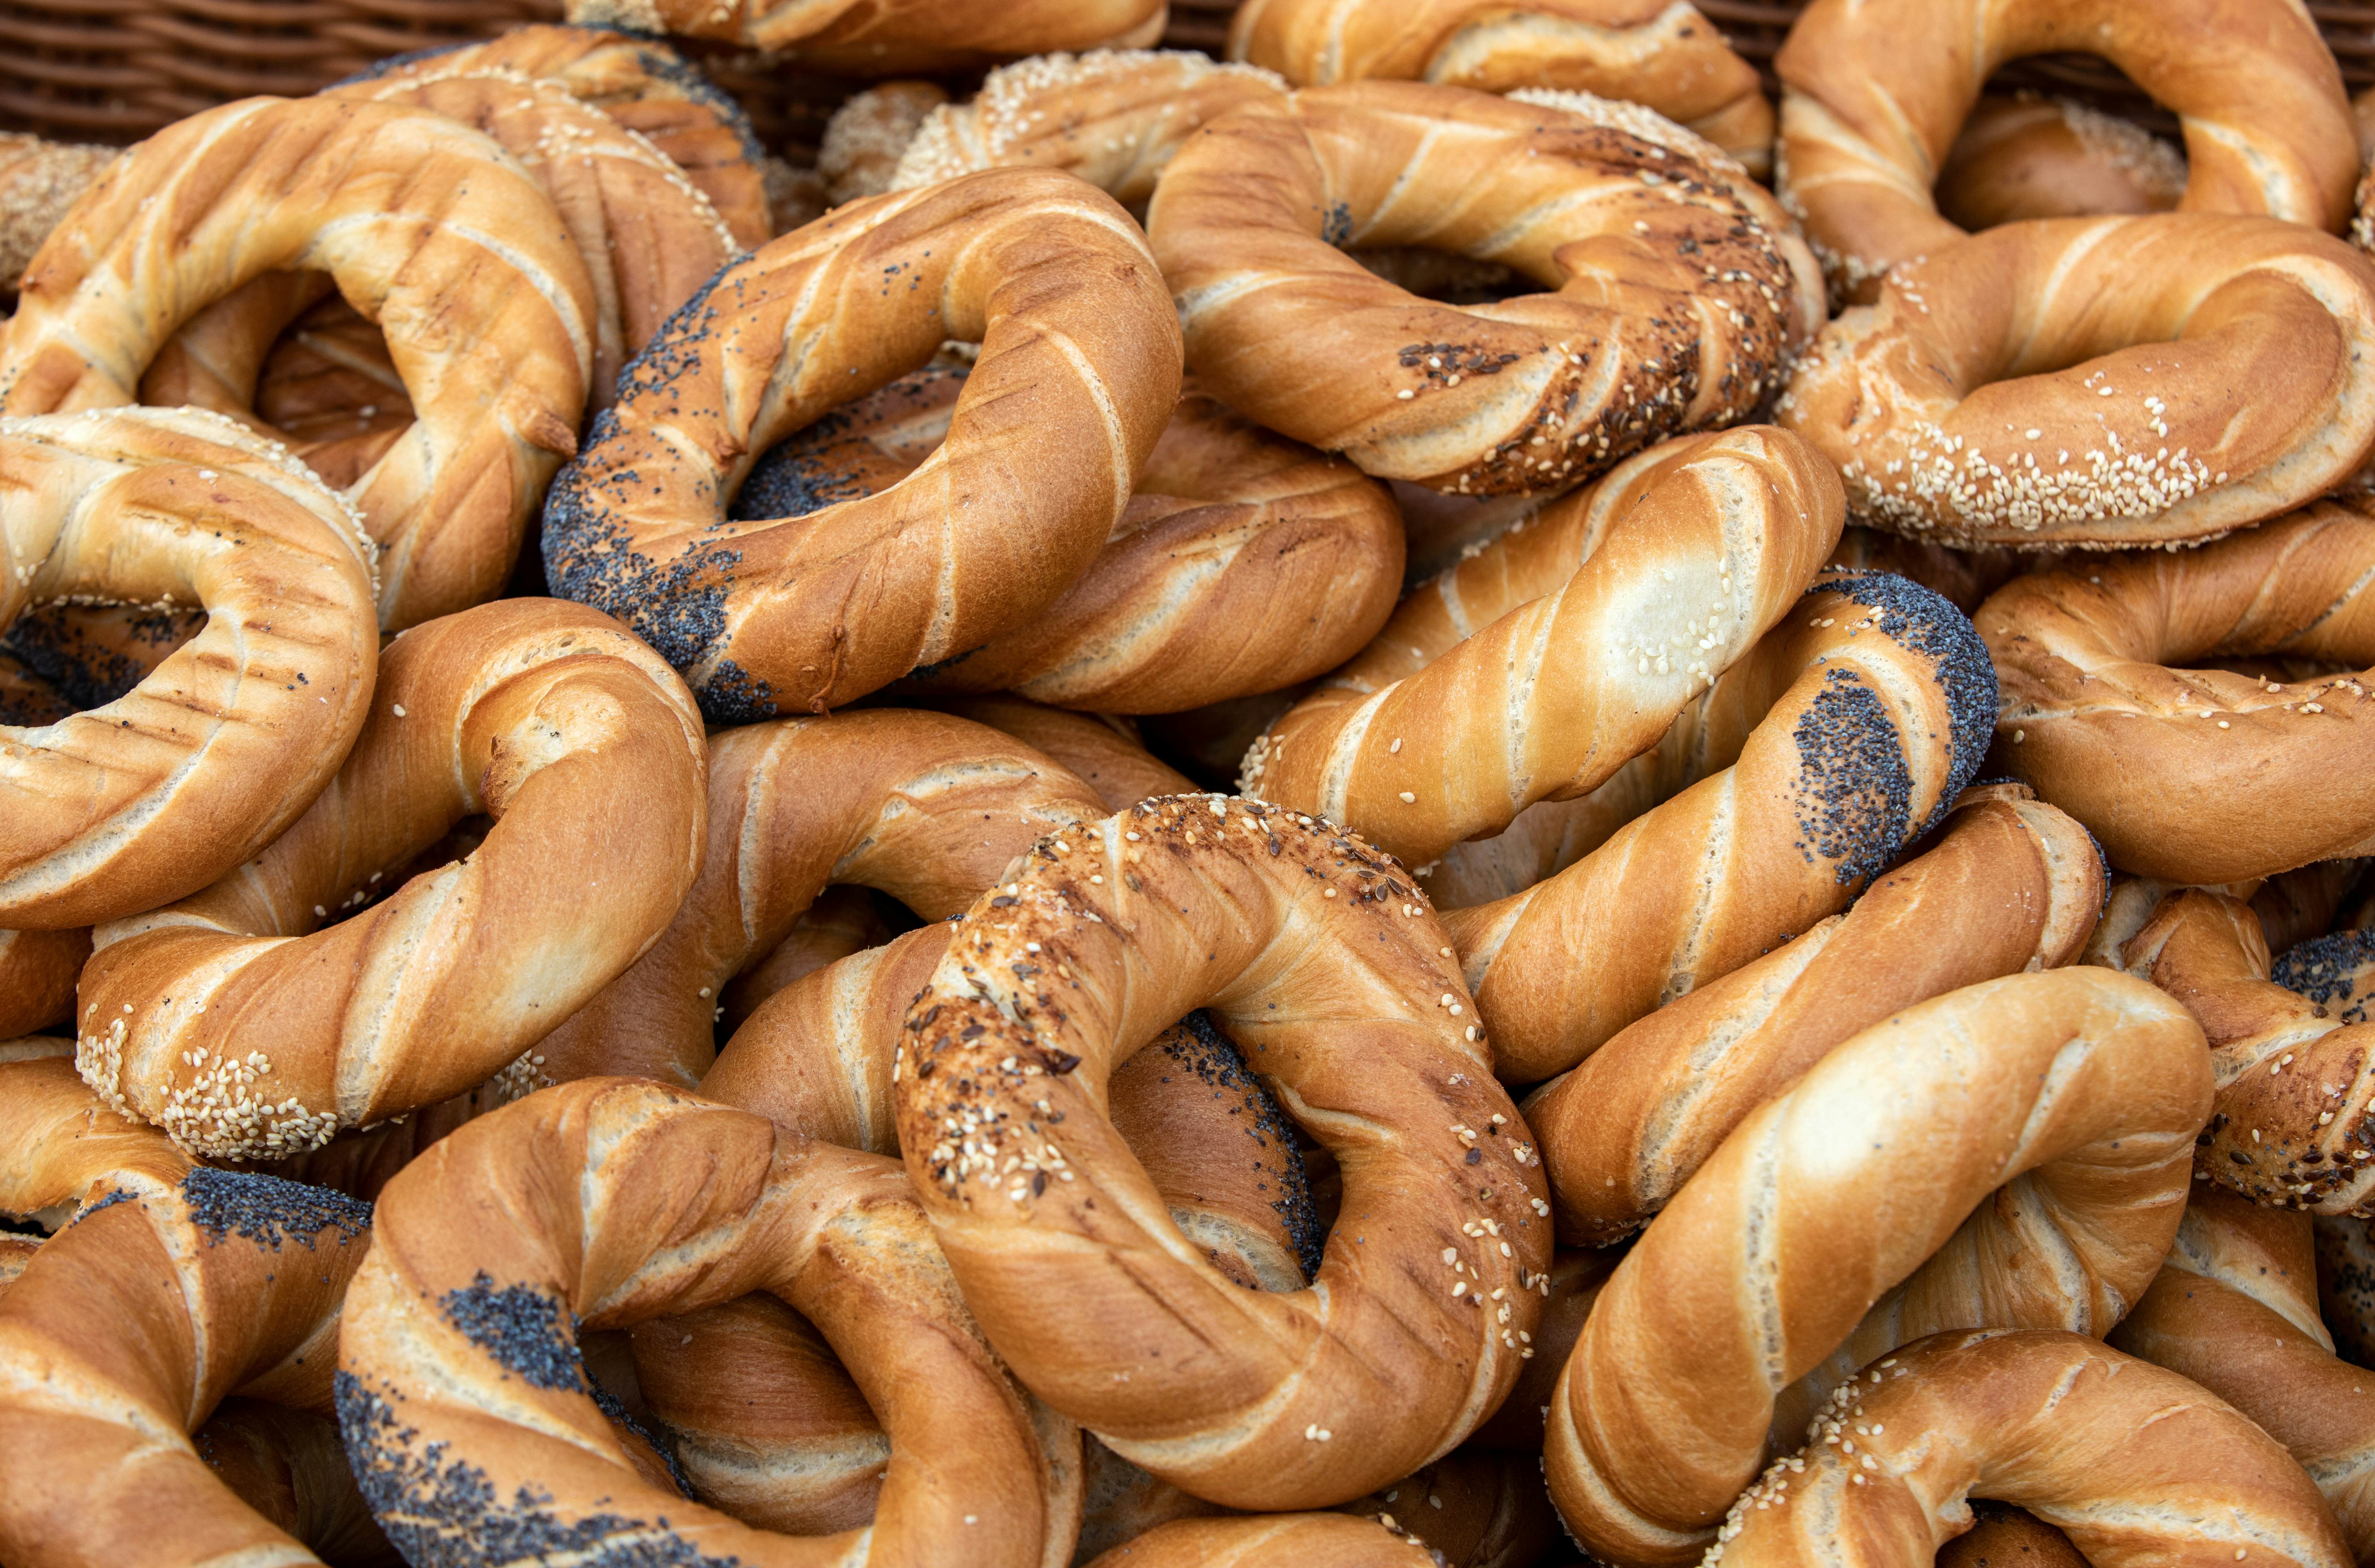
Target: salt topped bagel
pixel 1335 980
pixel 617 1202
pixel 2134 1463
pixel 2030 157
pixel 305 993
pixel 136 803
pixel 1874 90
pixel 2199 775
pixel 1663 54
pixel 1079 371
pixel 400 206
pixel 1666 306
pixel 2075 382
pixel 1812 1244
pixel 886 37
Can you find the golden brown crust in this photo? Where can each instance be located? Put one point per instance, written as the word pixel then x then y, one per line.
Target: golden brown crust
pixel 1078 375
pixel 59 1146
pixel 209 1019
pixel 885 37
pixel 1105 751
pixel 2026 156
pixel 291 1468
pixel 1539 665
pixel 1663 54
pixel 1673 308
pixel 146 798
pixel 2103 712
pixel 2132 1463
pixel 37 977
pixel 1875 91
pixel 1809 1245
pixel 1309 1540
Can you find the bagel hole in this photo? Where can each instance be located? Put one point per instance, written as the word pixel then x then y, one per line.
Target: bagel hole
pixel 844 920
pixel 861 448
pixel 2014 157
pixel 330 385
pixel 1445 276
pixel 67 658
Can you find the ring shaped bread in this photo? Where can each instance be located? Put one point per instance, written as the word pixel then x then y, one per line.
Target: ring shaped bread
pixel 2235 1308
pixel 1334 977
pixel 642 84
pixel 306 993
pixel 2074 382
pixel 1830 1227
pixel 2029 157
pixel 2200 775
pixel 648 236
pixel 1245 562
pixel 1832 746
pixel 1661 54
pixel 1308 1540
pixel 1874 92
pixel 59 1146
pixel 1547 658
pixel 1079 371
pixel 885 37
pixel 152 796
pixel 2132 1463
pixel 610 1202
pixel 1667 306
pixel 430 230
pixel 2008 886
pixel 163 1298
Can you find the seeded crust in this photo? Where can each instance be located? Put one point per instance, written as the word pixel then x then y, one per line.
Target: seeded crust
pixel 475 1430
pixel 1874 92
pixel 1661 53
pixel 2235 1308
pixel 1329 973
pixel 2132 1462
pixel 39 181
pixel 1808 1247
pixel 309 992
pixel 867 134
pixel 1834 745
pixel 1677 308
pixel 2100 713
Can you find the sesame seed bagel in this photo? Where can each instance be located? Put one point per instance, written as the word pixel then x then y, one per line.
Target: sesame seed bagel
pixel 1663 54
pixel 2132 1463
pixel 2071 382
pixel 1874 92
pixel 2295 1125
pixel 2235 1309
pixel 1114 117
pixel 1542 663
pixel 884 37
pixel 1666 305
pixel 2200 775
pixel 1308 1540
pixel 39 181
pixel 864 139
pixel 307 992
pixel 1806 770
pixel 607 1203
pixel 641 83
pixel 126 1330
pixel 151 796
pixel 1816 1239
pixel 37 977
pixel 2028 156
pixel 1079 371
pixel 2016 883
pixel 1335 980
pixel 402 207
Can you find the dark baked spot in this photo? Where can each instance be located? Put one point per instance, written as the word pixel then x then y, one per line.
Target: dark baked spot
pixel 268 1210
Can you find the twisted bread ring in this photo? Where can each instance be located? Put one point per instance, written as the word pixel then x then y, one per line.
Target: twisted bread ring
pixel 1661 53
pixel 1106 752
pixel 59 1146
pixel 2295 1123
pixel 147 797
pixel 39 181
pixel 1308 1540
pixel 884 37
pixel 1336 981
pixel 465 1403
pixel 495 336
pixel 247 1030
pixel 2026 157
pixel 2134 1463
pixel 1799 1246
pixel 1874 90
pixel 1114 117
pixel 639 82
pixel 2100 722
pixel 1079 370
pixel 2012 885
pixel 2235 1309
pixel 1669 305
pixel 1539 665
pixel 1841 738
pixel 129 1328
pixel 2071 382
pixel 37 977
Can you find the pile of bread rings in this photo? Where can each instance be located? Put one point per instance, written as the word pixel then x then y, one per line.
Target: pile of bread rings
pixel 1434 797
